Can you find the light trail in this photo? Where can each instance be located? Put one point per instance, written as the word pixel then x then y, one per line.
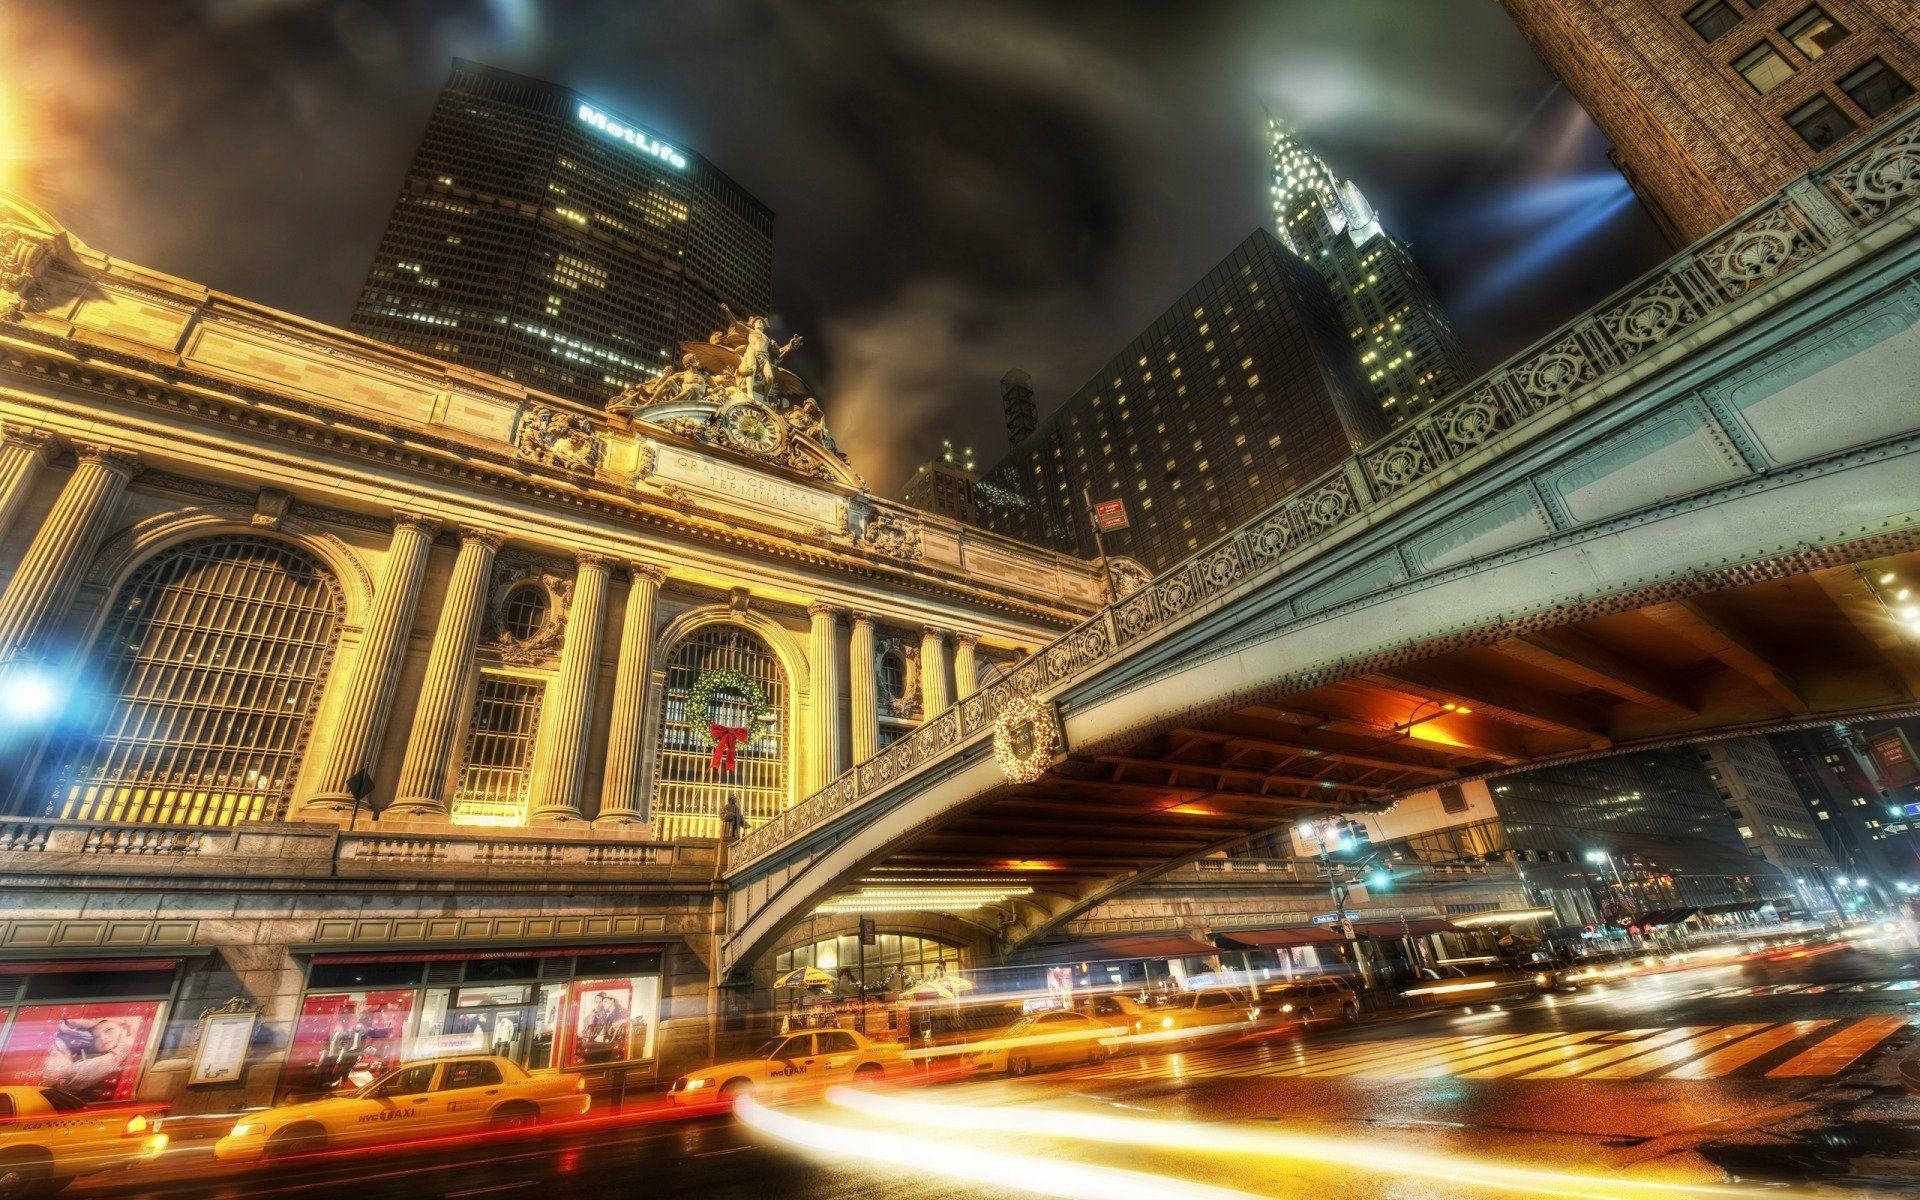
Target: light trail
pixel 1020 1172
pixel 1346 1153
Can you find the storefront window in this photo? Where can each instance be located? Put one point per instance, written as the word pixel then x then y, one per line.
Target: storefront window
pixel 537 1010
pixel 86 1032
pixel 893 962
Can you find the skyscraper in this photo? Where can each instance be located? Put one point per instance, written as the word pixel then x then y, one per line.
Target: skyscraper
pixel 1713 105
pixel 1770 816
pixel 539 237
pixel 1408 353
pixel 1241 392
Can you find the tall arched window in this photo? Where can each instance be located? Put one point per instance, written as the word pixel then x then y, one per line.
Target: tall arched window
pixel 687 792
pixel 205 679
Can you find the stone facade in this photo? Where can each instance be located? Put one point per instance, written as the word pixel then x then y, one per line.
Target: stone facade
pixel 1694 138
pixel 326 651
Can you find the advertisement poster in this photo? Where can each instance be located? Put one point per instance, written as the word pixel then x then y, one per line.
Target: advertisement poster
pixel 91 1050
pixel 347 1040
pixel 611 1021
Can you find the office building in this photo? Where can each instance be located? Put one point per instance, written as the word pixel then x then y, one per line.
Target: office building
pixel 539 237
pixel 945 485
pixel 1407 352
pixel 1713 105
pixel 1241 392
pixel 1634 840
pixel 1771 818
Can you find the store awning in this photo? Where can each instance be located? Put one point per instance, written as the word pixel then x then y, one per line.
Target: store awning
pixel 1274 939
pixel 92 961
pixel 478 952
pixel 1152 945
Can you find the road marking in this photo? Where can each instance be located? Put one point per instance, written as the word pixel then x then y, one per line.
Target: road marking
pixel 1485 1057
pixel 1612 1054
pixel 1354 1059
pixel 1832 1054
pixel 1559 1051
pixel 1445 1059
pixel 1679 1052
pixel 1732 1058
pixel 1422 1058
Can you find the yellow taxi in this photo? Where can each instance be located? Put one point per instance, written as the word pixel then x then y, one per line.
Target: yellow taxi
pixel 48 1138
pixel 790 1066
pixel 1047 1039
pixel 432 1098
pixel 1202 1012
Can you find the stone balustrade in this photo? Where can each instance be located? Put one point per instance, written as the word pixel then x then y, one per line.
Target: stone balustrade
pixel 1817 217
pixel 44 847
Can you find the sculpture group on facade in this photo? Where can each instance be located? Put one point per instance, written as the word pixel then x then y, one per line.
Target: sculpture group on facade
pixel 557 439
pixel 732 390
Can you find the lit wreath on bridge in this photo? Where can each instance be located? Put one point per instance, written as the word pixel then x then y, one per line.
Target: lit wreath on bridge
pixel 1024 739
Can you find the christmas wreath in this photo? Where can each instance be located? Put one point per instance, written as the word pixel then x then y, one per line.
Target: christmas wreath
pixel 725 739
pixel 1024 739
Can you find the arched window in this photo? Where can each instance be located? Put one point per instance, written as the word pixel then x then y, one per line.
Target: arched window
pixel 687 792
pixel 205 679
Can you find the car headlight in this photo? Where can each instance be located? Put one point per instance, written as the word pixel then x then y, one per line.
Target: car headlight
pixel 1166 1022
pixel 248 1129
pixel 1285 1008
pixel 1541 980
pixel 694 1085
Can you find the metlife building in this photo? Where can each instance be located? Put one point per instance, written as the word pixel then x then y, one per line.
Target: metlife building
pixel 541 237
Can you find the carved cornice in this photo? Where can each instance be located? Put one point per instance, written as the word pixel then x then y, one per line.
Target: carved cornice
pixel 132 380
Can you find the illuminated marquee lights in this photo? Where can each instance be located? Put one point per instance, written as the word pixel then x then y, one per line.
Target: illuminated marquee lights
pixel 632 137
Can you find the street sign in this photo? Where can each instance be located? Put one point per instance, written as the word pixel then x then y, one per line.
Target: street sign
pixel 869 931
pixel 1109 515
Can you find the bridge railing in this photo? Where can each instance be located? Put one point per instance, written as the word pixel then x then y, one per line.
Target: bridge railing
pixel 1806 221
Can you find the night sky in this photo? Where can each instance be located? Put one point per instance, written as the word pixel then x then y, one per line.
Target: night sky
pixel 959 187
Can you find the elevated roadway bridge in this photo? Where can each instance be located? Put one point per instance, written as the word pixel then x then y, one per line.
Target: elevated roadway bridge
pixel 1692 512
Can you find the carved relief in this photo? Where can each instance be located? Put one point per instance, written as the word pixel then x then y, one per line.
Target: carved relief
pixel 891 535
pixel 526 612
pixel 896 677
pixel 555 439
pixel 23 260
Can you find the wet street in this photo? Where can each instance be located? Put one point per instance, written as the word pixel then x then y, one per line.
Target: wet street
pixel 1777 1071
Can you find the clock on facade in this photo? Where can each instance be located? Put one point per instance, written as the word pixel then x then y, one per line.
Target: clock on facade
pixel 753 427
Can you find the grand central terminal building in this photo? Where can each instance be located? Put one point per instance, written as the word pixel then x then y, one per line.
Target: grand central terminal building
pixel 359 705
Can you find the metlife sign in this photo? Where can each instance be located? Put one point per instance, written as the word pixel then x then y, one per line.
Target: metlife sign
pixel 632 137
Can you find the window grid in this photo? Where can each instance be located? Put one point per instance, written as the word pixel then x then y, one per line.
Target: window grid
pixel 211 663
pixel 687 795
pixel 499 756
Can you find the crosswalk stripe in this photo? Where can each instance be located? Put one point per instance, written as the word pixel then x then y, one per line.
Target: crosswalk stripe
pixel 1829 1055
pixel 1450 1060
pixel 1425 1058
pixel 1358 1056
pixel 1732 1058
pixel 1678 1052
pixel 1402 1055
pixel 1613 1054
pixel 1486 1057
pixel 1556 1051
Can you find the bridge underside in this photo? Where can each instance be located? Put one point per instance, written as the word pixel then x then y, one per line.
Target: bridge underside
pixel 1819 644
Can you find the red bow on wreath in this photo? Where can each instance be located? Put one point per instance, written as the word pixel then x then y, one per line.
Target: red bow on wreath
pixel 726 740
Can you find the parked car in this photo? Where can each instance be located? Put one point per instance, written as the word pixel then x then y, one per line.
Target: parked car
pixel 1047 1039
pixel 1308 1002
pixel 429 1098
pixel 1202 1011
pixel 792 1066
pixel 49 1138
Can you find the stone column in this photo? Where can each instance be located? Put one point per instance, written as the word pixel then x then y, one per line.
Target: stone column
pixel 23 453
pixel 560 745
pixel 863 689
pixel 56 562
pixel 935 696
pixel 446 694
pixel 823 659
pixel 362 722
pixel 966 665
pixel 623 791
